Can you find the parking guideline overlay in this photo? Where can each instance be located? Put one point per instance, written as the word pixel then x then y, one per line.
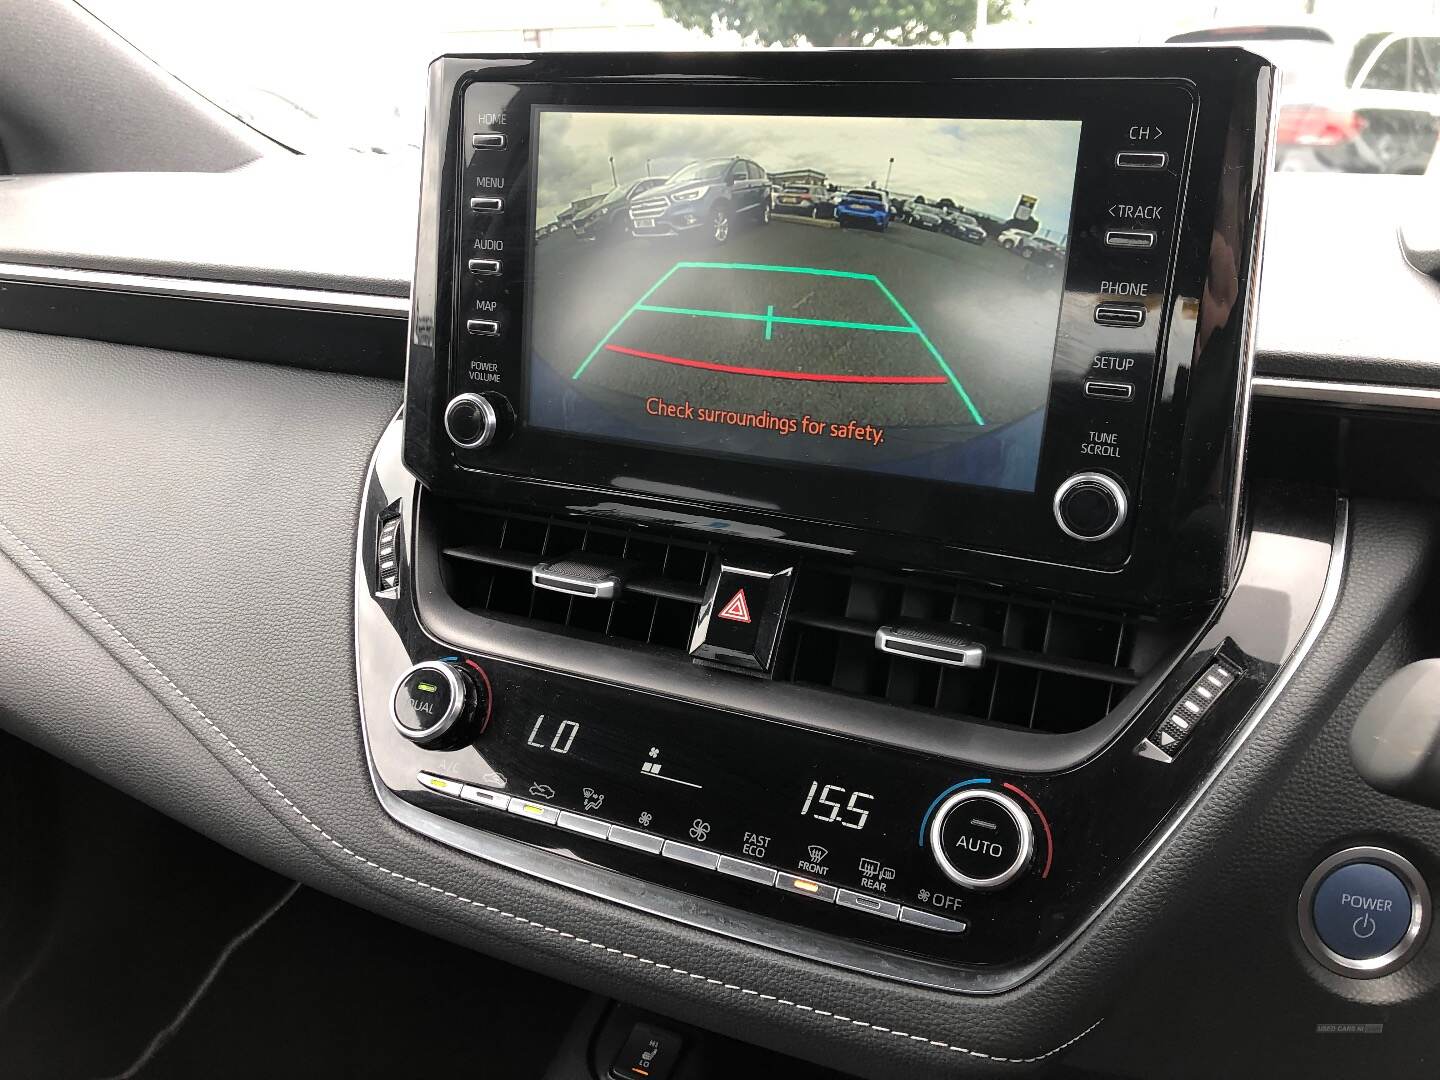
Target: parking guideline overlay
pixel 769 318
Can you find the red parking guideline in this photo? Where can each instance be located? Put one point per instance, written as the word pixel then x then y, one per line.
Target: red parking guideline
pixel 770 373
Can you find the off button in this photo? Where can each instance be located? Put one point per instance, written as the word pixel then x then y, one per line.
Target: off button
pixel 1367 909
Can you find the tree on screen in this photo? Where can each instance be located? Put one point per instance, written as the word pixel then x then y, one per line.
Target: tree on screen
pixel 834 22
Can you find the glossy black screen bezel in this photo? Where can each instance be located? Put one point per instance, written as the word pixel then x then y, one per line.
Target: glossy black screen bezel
pixel 1186 494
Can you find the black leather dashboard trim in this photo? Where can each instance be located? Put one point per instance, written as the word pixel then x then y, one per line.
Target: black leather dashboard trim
pixel 208 512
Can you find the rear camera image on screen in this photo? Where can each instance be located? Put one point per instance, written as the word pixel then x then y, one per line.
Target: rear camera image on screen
pixel 867 292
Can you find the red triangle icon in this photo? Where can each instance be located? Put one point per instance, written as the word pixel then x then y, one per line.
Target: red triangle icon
pixel 737 610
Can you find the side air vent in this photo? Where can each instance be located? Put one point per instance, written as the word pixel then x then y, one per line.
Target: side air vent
pixel 994 657
pixel 1044 666
pixel 491 561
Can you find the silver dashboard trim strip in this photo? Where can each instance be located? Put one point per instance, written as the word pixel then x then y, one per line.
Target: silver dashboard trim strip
pixel 1356 395
pixel 1319 391
pixel 233 292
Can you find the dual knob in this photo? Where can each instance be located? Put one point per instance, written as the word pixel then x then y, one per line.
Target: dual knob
pixel 441 705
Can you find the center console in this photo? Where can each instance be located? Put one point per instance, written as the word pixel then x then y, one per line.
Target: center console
pixel 816 511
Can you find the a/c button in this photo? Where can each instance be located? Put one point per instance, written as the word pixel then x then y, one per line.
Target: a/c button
pixel 1362 910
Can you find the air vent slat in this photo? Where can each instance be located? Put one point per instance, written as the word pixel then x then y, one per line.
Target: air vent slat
pixel 653 586
pixel 490 556
pixel 1039 661
pixel 1049 666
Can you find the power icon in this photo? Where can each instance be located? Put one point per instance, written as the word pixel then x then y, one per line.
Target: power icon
pixel 1364 926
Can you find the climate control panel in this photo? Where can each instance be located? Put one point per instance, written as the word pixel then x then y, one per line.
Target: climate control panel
pixel 897 839
pixel 904 851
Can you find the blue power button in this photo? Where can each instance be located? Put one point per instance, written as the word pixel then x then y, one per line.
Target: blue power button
pixel 1362 910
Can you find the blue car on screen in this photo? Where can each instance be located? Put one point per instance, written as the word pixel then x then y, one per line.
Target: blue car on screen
pixel 863 206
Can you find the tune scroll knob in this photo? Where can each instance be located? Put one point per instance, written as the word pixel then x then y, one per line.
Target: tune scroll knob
pixel 475 421
pixel 441 705
pixel 981 839
pixel 1090 506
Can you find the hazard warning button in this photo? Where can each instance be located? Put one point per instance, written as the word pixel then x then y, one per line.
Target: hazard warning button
pixel 739 623
pixel 736 609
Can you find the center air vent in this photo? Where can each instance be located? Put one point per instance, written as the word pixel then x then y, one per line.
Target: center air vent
pixel 1046 666
pixel 490 559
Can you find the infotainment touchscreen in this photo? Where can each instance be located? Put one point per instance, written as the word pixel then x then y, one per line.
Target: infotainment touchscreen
pixel 871 293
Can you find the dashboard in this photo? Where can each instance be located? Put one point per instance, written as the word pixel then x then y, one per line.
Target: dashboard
pixel 810 499
pixel 817 620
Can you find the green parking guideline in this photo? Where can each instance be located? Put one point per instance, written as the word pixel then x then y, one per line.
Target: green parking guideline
pixel 910 326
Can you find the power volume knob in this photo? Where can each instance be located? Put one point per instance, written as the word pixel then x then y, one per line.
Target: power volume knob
pixel 981 839
pixel 475 421
pixel 440 705
pixel 1090 506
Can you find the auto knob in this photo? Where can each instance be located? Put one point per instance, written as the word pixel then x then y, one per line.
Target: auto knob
pixel 981 839
pixel 475 421
pixel 441 705
pixel 1090 506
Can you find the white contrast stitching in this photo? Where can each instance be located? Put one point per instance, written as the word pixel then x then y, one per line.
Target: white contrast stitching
pixel 480 904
